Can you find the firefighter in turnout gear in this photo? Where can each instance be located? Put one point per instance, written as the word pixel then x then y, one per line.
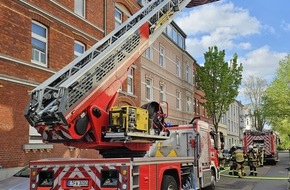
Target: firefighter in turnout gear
pixel 261 156
pixel 240 159
pixel 252 159
pixel 233 164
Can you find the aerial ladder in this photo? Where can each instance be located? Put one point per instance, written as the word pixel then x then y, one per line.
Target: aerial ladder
pixel 75 105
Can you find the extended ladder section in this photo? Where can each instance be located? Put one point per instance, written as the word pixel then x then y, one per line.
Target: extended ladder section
pixel 95 77
pixel 52 100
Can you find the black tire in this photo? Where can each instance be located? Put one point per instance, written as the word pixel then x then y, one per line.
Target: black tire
pixel 168 183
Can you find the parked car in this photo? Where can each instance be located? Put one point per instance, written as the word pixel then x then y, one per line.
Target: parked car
pixel 19 181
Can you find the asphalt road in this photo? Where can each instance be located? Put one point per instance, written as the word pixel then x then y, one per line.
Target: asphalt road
pixel 270 177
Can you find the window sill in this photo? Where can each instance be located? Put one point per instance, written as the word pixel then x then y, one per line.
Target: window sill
pixel 37 147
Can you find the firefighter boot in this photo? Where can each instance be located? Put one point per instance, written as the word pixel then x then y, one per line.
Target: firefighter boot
pixel 243 172
pixel 240 174
pixel 251 173
pixel 235 172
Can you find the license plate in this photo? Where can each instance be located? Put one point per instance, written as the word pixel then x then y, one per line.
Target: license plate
pixel 77 183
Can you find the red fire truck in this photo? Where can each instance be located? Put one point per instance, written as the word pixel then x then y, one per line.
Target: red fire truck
pixel 140 151
pixel 181 162
pixel 268 141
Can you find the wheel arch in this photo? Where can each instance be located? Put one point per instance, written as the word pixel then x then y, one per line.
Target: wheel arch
pixel 174 173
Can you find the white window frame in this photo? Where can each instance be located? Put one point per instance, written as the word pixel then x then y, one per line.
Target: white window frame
pixel 149 89
pixel 118 21
pixel 187 73
pixel 178 67
pixel 42 39
pixel 76 53
pixel 162 94
pixel 193 77
pixel 174 35
pixel 197 107
pixel 180 41
pixel 178 100
pixel 188 104
pixel 83 4
pixel 169 31
pixel 130 82
pixel 148 53
pixel 194 106
pixel 161 56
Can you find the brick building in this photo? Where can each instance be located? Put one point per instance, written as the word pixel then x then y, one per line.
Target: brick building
pixel 38 38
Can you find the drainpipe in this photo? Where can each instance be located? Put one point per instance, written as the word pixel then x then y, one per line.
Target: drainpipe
pixel 105 17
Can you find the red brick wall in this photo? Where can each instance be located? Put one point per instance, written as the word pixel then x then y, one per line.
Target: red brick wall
pixel 16 18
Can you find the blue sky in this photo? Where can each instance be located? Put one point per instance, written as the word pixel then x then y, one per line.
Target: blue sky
pixel 257 30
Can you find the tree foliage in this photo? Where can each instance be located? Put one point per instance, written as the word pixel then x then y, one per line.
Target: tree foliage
pixel 277 102
pixel 219 81
pixel 254 89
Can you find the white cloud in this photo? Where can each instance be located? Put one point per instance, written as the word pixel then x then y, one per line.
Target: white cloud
pixel 261 62
pixel 244 45
pixel 218 17
pixel 217 24
pixel 269 29
pixel 285 26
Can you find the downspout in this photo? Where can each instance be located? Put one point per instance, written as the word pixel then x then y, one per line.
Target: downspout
pixel 105 17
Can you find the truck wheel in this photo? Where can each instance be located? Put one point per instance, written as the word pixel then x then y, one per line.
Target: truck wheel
pixel 168 183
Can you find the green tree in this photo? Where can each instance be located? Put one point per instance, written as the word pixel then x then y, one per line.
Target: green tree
pixel 219 80
pixel 277 102
pixel 254 89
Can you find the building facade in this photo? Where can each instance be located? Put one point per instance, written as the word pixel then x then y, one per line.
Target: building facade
pixel 233 121
pixel 248 117
pixel 166 75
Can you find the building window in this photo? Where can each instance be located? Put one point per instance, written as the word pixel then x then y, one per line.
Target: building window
pixel 79 48
pixel 147 53
pixel 178 100
pixel 203 111
pixel 178 69
pixel 169 31
pixel 162 93
pixel 34 136
pixel 187 74
pixel 197 107
pixel 39 44
pixel 193 77
pixel 180 41
pixel 194 106
pixel 174 36
pixel 118 18
pixel 188 104
pixel 80 7
pixel 130 83
pixel 161 56
pixel 149 89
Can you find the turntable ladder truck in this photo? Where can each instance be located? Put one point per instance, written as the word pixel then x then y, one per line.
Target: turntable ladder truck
pixel 75 107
